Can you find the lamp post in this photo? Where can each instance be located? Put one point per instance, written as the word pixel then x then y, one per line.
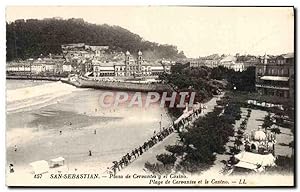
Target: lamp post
pixel 160 122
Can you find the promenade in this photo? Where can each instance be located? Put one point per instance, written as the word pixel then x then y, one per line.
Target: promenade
pixel 137 165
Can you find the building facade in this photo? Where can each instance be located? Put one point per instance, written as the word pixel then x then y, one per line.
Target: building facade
pixel 130 68
pixel 80 53
pixel 50 65
pixel 275 75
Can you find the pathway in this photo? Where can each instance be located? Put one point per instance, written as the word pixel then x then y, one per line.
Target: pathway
pixel 137 166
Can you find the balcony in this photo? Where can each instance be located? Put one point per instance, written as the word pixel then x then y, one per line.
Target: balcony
pixel 271 87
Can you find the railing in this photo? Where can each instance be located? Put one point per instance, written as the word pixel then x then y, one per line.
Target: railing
pixel 272 87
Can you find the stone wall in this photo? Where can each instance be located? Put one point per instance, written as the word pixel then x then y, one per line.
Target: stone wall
pixel 126 86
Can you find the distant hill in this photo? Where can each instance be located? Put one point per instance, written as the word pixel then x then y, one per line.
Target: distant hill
pixel 32 37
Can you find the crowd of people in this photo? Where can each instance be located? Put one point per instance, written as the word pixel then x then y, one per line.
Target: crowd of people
pixel 156 138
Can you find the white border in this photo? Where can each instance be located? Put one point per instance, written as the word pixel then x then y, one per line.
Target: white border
pixel 5 3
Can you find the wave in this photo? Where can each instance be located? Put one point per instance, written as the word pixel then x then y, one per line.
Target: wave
pixel 27 97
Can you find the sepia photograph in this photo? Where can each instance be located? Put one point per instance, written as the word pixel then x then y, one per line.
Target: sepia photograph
pixel 150 96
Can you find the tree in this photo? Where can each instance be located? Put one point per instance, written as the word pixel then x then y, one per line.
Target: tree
pixel 276 130
pixel 238 143
pixel 175 149
pixel 166 159
pixel 33 37
pixel 267 122
pixel 240 132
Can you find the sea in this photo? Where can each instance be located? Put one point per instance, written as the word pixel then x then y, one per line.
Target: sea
pixel 46 120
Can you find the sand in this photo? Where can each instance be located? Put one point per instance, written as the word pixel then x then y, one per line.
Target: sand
pixel 36 132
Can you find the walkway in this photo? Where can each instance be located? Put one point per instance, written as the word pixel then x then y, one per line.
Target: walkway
pixel 137 166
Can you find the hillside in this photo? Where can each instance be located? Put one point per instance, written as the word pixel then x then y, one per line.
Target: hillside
pixel 32 37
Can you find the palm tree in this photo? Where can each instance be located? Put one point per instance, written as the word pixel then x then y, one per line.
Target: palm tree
pixel 267 122
pixel 238 143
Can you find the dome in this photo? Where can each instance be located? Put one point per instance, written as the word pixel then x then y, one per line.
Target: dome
pixel 259 135
pixel 127 53
pixel 140 53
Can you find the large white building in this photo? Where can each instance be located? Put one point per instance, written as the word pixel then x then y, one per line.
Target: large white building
pixel 130 67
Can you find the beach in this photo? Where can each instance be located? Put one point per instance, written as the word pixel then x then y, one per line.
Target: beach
pixel 69 122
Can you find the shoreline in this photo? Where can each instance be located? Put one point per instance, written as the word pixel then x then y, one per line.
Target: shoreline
pixel 116 85
pixel 33 77
pixel 104 85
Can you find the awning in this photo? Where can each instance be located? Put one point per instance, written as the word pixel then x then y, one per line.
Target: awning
pixel 246 165
pixel 256 159
pixel 106 68
pixel 274 78
pixel 58 159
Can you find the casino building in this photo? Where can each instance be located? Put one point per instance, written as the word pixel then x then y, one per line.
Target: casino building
pixel 130 67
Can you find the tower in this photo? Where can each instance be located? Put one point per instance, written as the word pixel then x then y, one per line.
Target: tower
pixel 139 62
pixel 127 62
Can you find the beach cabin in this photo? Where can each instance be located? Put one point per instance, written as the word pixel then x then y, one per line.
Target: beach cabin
pixel 59 161
pixel 39 167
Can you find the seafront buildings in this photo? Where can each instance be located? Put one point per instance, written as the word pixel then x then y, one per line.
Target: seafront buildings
pixel 92 61
pixel 131 67
pixel 237 63
pixel 50 65
pixel 275 75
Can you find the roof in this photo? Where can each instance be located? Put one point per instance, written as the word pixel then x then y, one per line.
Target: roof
pixel 288 55
pixel 155 64
pixel 274 78
pixel 106 68
pixel 256 159
pixel 246 165
pixel 157 68
pixel 108 64
pixel 259 135
pixel 228 58
pixel 58 159
pixel 40 167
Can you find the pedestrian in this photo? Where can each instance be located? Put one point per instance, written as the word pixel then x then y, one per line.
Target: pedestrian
pixel 116 166
pixel 128 157
pixel 125 160
pixel 145 146
pixel 114 170
pixel 95 131
pixel 121 163
pixel 60 132
pixel 133 154
pixel 11 168
pixel 150 143
pixel 90 153
pixel 141 150
pixel 137 151
pixel 15 148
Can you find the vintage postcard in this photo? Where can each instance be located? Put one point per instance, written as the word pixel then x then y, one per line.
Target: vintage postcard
pixel 150 96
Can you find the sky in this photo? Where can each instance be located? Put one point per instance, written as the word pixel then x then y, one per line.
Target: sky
pixel 198 31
